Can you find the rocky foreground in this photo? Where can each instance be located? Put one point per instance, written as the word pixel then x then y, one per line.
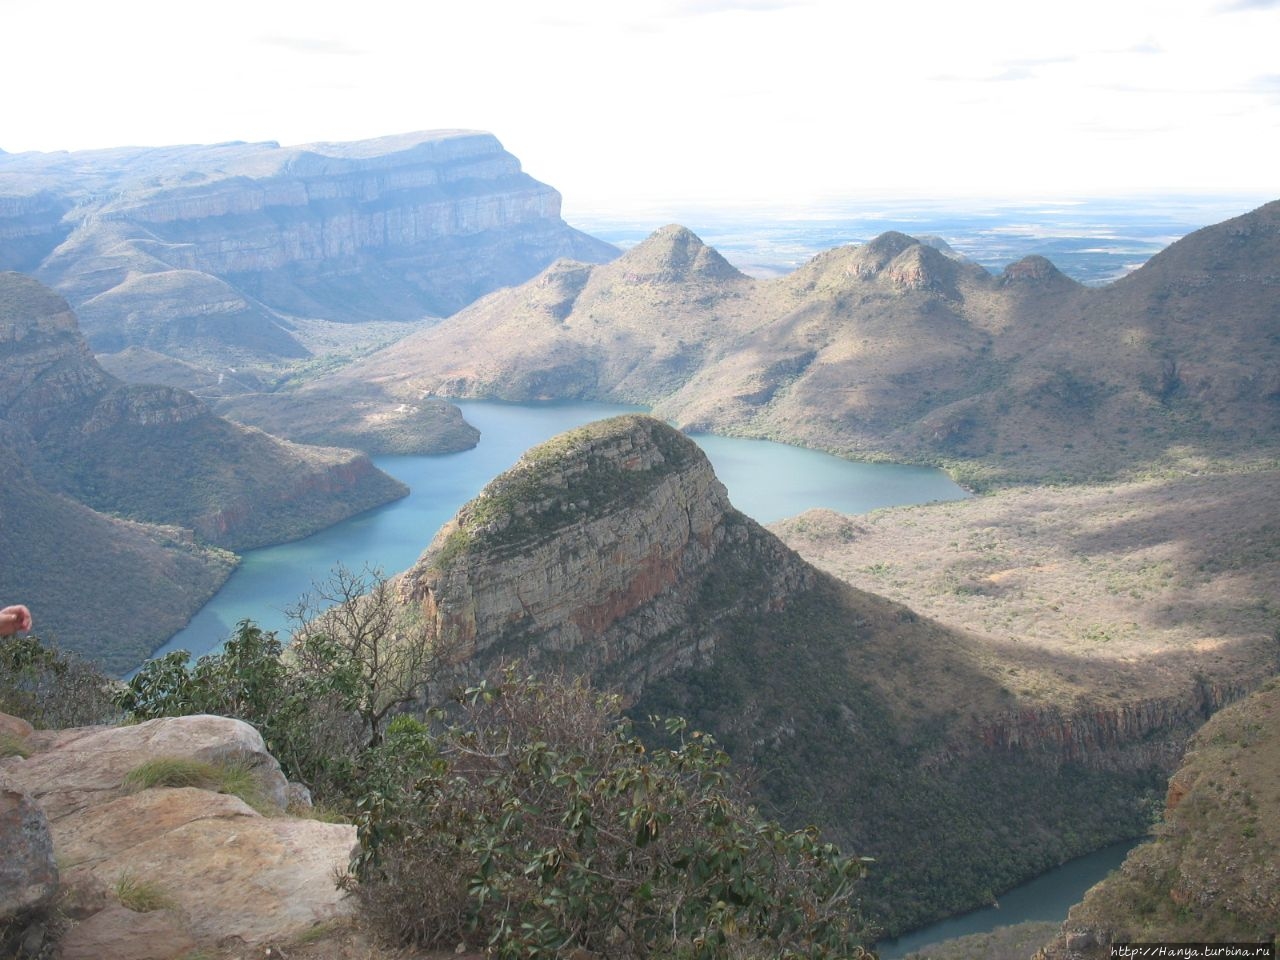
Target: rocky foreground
pixel 141 872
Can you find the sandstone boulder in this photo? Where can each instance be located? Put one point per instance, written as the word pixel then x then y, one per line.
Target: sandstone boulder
pixel 224 868
pixel 14 728
pixel 28 873
pixel 124 935
pixel 219 870
pixel 85 766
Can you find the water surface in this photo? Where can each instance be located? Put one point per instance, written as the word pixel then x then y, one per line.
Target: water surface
pixel 1047 897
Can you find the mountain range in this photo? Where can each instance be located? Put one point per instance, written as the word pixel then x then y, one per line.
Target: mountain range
pixel 888 349
pixel 968 695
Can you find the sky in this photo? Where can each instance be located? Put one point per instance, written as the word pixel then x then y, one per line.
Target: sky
pixel 629 105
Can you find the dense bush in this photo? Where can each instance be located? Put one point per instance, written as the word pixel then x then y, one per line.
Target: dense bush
pixel 322 704
pixel 537 822
pixel 306 714
pixel 51 689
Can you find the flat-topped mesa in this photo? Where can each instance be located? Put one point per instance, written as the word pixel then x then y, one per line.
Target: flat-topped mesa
pixel 208 252
pixel 611 550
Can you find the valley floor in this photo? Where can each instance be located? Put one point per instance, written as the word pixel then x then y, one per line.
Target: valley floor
pixel 1119 591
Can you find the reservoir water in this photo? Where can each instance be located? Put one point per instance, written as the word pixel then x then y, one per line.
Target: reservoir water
pixel 1047 897
pixel 765 480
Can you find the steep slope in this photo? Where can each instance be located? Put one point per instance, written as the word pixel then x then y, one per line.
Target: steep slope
pixel 80 441
pixel 632 330
pixel 109 589
pixel 1210 874
pixel 893 349
pixel 210 253
pixel 613 550
pixel 157 453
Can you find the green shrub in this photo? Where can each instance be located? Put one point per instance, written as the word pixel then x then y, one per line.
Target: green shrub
pixel 323 705
pixel 538 823
pixel 51 689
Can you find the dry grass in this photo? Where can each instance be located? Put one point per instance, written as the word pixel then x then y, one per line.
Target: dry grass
pixel 1120 589
pixel 141 895
pixel 231 778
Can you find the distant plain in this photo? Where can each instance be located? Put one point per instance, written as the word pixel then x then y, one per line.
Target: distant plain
pixel 1092 240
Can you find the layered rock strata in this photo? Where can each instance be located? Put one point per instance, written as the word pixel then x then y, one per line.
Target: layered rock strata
pixel 207 252
pixel 594 554
pixel 613 551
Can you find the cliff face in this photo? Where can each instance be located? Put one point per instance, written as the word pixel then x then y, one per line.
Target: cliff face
pixel 1142 734
pixel 595 553
pixel 207 252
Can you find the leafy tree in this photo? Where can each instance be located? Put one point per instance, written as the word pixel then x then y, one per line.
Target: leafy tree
pixel 538 822
pixel 322 702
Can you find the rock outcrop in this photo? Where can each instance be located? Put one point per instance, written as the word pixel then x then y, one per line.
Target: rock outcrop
pixel 596 554
pixel 208 252
pixel 28 871
pixel 216 871
pixel 613 551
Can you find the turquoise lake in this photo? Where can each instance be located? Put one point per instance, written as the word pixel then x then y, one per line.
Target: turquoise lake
pixel 767 481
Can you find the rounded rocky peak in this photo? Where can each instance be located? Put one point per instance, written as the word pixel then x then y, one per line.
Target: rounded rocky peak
pixel 595 456
pixel 889 244
pixel 587 472
pixel 673 254
pixel 940 244
pixel 1032 269
pixel 921 267
pixel 873 256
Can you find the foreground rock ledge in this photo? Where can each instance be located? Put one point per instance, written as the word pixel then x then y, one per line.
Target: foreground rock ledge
pixel 227 872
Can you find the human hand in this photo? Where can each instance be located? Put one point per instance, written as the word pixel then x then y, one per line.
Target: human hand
pixel 13 619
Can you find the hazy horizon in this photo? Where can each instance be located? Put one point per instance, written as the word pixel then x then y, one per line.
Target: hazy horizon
pixel 627 108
